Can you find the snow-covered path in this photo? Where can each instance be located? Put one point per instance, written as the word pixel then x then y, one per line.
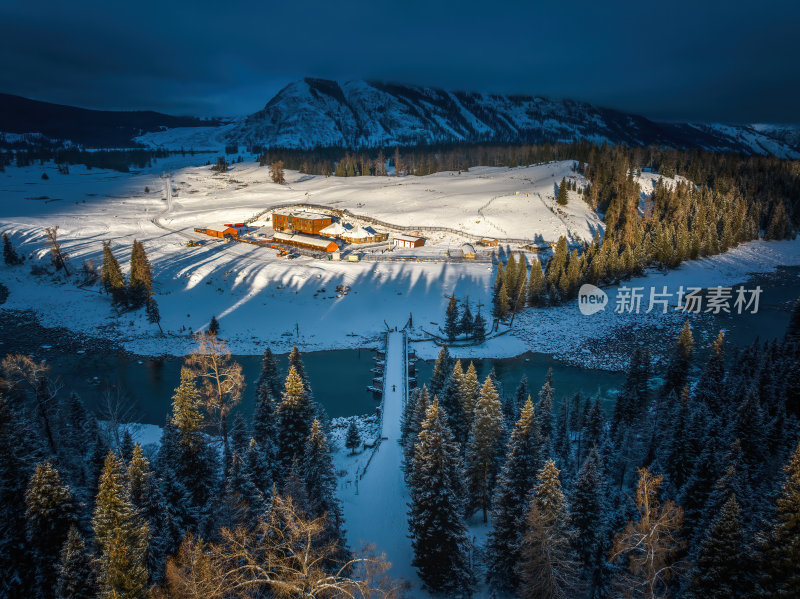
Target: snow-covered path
pixel 377 515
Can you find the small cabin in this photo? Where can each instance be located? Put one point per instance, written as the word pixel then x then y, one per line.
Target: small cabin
pixel 407 241
pixel 222 231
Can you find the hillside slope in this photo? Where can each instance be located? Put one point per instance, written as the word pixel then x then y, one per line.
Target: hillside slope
pixel 320 113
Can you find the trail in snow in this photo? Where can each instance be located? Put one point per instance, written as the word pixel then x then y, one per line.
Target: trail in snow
pixel 378 513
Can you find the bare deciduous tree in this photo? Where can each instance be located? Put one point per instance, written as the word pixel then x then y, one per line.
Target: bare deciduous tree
pixel 282 556
pixel 650 543
pixel 221 379
pixel 57 255
pixel 24 376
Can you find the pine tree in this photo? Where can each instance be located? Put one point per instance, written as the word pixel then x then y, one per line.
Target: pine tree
pixel 678 368
pixel 320 479
pixel 783 554
pixel 186 413
pixel 468 391
pixel 563 196
pixel 718 571
pixel 548 567
pixel 441 372
pixel 710 385
pixel 451 402
pixel 466 323
pixel 241 502
pixel 353 439
pixel 499 307
pixel 9 253
pixel 139 478
pixel 587 508
pixel 510 502
pixel 451 319
pixel 140 282
pixel 479 328
pixel 265 427
pixel 438 533
pixel 485 446
pixel 420 408
pixel 75 572
pixel 295 415
pixel 502 303
pixel 535 284
pixel 544 410
pixel 270 376
pixel 111 277
pixel 50 512
pixel 213 326
pixel 121 536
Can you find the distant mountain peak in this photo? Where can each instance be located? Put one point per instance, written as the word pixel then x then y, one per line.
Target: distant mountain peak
pixel 314 112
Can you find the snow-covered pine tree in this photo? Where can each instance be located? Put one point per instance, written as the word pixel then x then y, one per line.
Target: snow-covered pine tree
pixel 719 570
pixel 544 411
pixel 256 469
pixel 783 552
pixel 441 372
pixel 485 448
pixel 193 460
pixel 451 319
pixel 265 431
pixel 295 415
pixel 242 502
pixel 510 500
pixel 121 536
pixel 421 403
pixel 153 313
pixel 479 328
pixel 710 385
pixel 468 391
pixel 75 572
pixel 561 438
pixel 548 565
pixel 296 360
pixel 320 479
pixel 240 436
pixel 50 512
pixel 125 449
pixel 111 277
pixel 451 402
pixel 467 321
pixel 438 533
pixel 587 509
pixel 678 367
pixel 353 438
pixel 270 377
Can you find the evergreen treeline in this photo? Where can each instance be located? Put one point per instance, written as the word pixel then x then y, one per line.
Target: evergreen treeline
pixel 85 513
pixel 688 487
pixel 117 160
pixel 137 291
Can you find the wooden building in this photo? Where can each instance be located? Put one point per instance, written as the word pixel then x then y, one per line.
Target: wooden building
pixel 306 242
pixel 300 222
pixel 407 241
pixel 220 231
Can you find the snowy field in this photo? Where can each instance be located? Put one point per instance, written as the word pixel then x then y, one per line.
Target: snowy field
pixel 261 299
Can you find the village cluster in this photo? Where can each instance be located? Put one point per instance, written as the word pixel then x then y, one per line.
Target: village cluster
pixel 319 234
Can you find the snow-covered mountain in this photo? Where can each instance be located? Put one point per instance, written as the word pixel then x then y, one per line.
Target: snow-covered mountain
pixel 321 113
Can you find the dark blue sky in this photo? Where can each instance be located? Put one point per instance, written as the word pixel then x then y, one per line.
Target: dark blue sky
pixel 671 60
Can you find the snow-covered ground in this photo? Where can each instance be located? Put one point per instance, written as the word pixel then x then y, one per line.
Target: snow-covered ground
pixel 261 299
